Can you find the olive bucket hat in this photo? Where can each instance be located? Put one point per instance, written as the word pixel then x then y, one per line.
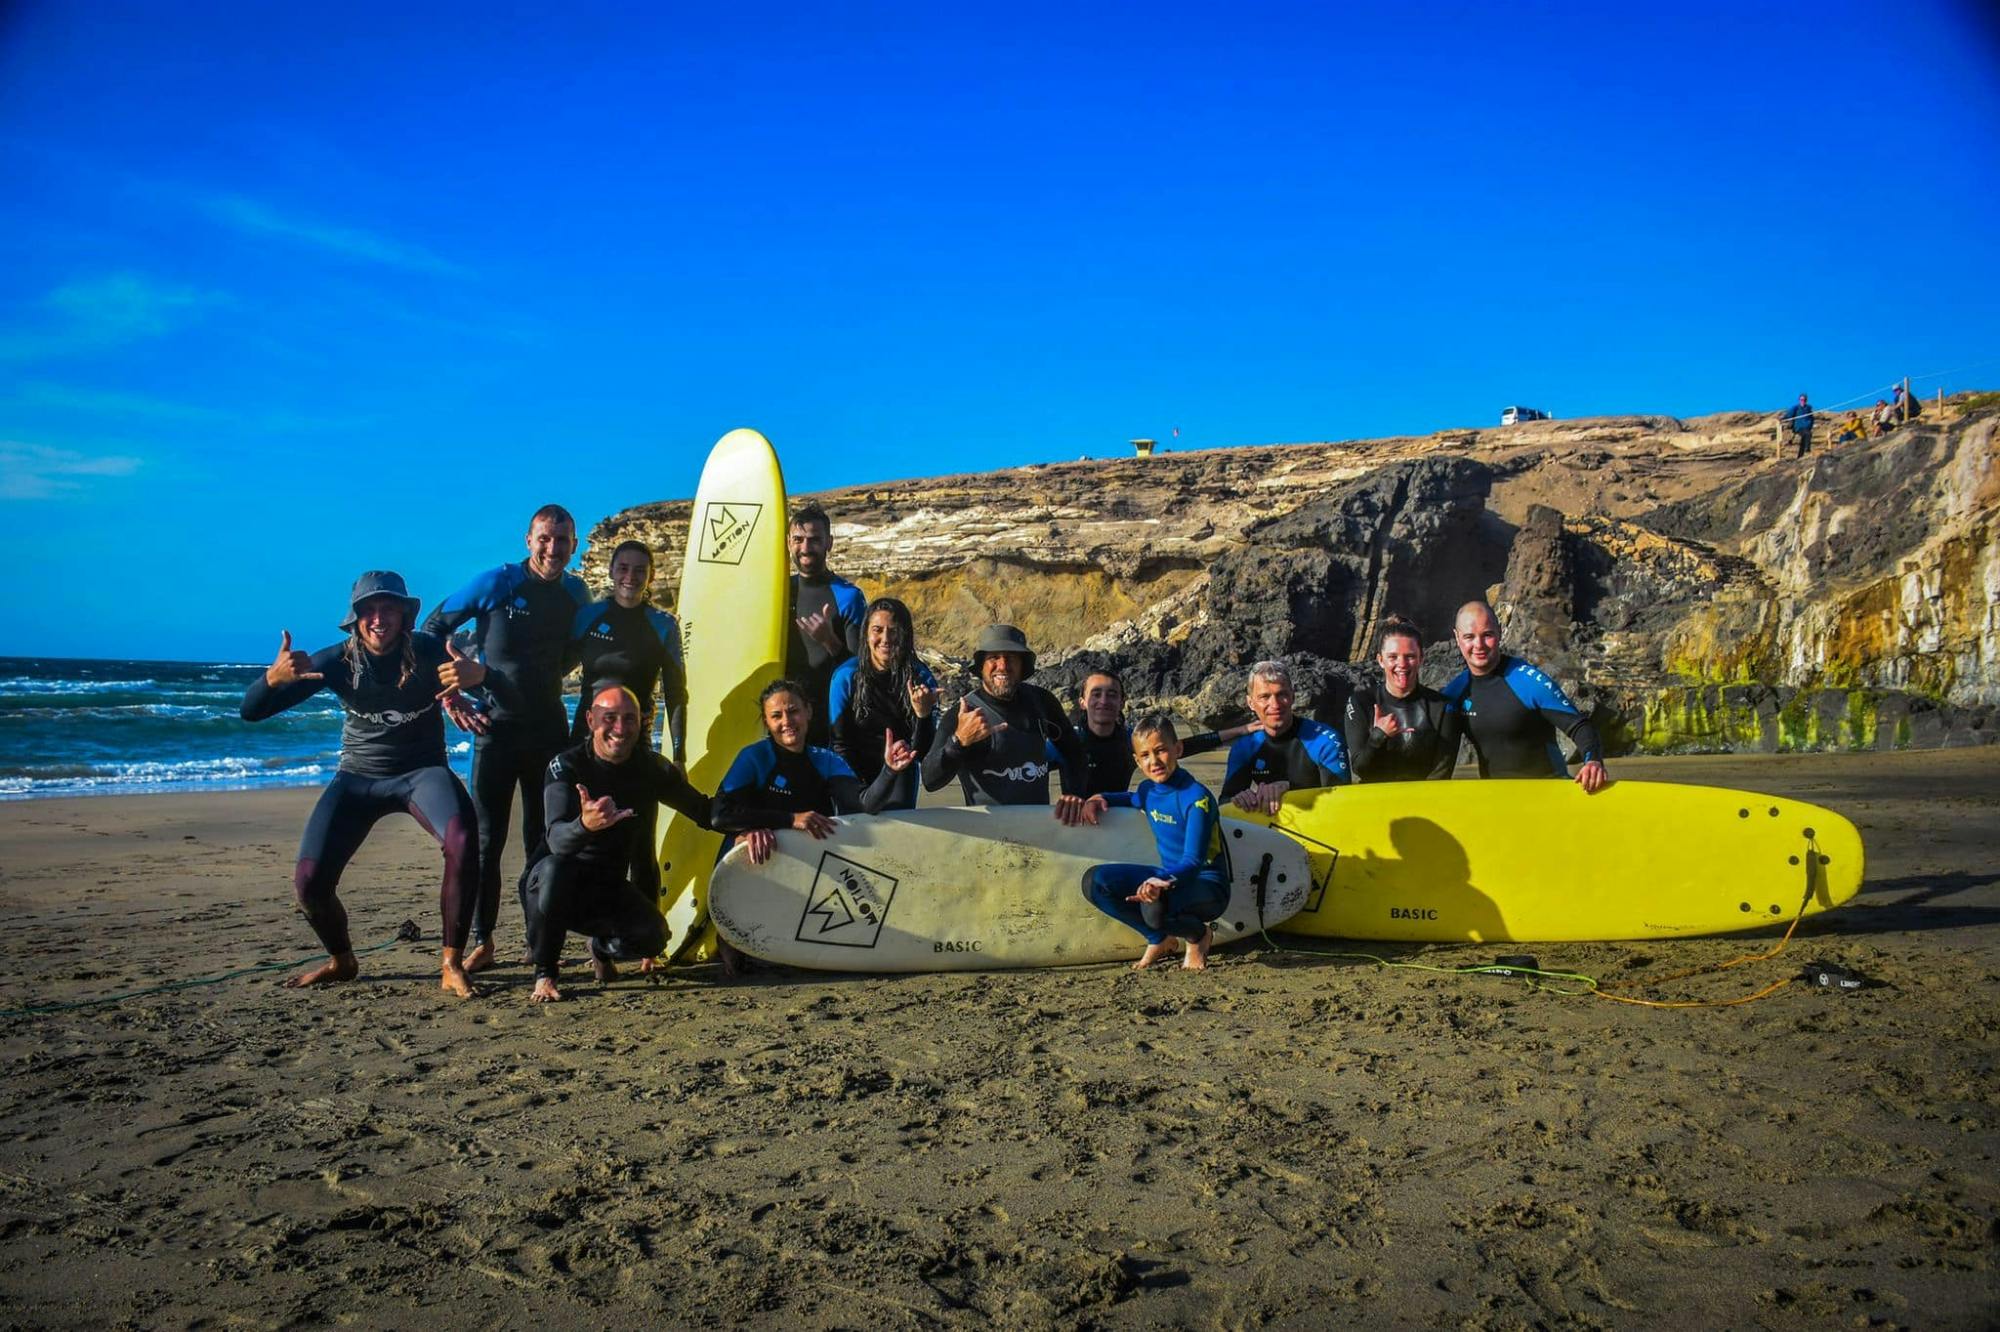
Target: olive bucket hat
pixel 1004 638
pixel 379 583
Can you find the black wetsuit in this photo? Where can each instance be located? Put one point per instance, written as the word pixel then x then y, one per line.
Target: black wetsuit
pixel 391 760
pixel 768 785
pixel 806 659
pixel 1309 754
pixel 1107 759
pixel 1512 715
pixel 638 647
pixel 1425 749
pixel 862 712
pixel 577 880
pixel 1010 767
pixel 523 625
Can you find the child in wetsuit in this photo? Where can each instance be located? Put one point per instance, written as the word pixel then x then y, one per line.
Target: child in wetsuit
pixel 1189 887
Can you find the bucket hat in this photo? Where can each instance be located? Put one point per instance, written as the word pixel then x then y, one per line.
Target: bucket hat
pixel 379 583
pixel 1004 638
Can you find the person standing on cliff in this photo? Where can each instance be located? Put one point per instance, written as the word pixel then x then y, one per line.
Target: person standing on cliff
pixel 1000 739
pixel 1800 418
pixel 827 615
pixel 1107 741
pixel 1285 752
pixel 1511 711
pixel 522 614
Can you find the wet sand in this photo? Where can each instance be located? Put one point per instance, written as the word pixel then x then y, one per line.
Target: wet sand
pixel 1288 1140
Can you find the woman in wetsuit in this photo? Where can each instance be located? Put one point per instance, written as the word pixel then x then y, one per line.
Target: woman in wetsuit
pixel 391 682
pixel 626 640
pixel 1398 730
pixel 883 695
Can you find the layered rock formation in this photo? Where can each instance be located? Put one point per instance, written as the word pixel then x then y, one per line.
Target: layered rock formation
pixel 1697 589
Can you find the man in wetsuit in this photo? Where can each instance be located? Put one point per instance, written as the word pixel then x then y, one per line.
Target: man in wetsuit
pixel 578 880
pixel 1108 762
pixel 827 615
pixel 522 614
pixel 388 681
pixel 1511 711
pixel 1001 739
pixel 1286 752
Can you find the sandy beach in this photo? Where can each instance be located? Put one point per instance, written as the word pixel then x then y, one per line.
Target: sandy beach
pixel 1289 1140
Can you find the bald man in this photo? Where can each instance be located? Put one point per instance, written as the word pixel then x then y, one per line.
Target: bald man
pixel 1511 711
pixel 579 877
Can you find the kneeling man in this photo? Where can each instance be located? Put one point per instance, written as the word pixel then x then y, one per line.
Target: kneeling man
pixel 577 881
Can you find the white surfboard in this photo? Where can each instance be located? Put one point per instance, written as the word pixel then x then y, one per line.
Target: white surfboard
pixel 973 889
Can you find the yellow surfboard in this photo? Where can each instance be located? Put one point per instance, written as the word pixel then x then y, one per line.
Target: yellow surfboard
pixel 732 612
pixel 1540 861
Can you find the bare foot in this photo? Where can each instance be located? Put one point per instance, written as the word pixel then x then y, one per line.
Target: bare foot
pixel 1153 953
pixel 481 956
pixel 339 967
pixel 453 978
pixel 731 960
pixel 1196 958
pixel 604 969
pixel 545 991
pixel 649 965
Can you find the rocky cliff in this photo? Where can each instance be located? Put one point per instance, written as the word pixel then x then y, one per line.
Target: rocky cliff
pixel 1699 590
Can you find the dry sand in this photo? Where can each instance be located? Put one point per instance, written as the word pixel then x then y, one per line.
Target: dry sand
pixel 1288 1140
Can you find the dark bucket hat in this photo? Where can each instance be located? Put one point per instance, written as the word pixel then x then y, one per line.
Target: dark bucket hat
pixel 379 583
pixel 1004 638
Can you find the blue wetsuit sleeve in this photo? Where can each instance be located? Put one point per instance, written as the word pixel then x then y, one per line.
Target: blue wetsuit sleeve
pixel 1538 692
pixel 1197 828
pixel 1329 753
pixel 839 692
pixel 481 594
pixel 260 700
pixel 852 606
pixel 1120 799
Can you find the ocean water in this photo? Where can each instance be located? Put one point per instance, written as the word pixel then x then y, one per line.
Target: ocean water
pixel 82 727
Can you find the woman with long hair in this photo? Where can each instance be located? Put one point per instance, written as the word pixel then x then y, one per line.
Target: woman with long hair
pixel 884 694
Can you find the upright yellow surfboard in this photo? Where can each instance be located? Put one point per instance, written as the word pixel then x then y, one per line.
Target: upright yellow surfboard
pixel 732 611
pixel 1540 861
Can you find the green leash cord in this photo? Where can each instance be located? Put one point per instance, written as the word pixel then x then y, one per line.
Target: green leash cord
pixel 406 933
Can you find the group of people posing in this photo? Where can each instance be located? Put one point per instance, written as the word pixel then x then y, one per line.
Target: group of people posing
pixel 854 725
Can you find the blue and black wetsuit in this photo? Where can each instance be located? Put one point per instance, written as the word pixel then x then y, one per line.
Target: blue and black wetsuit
pixel 391 760
pixel 638 647
pixel 768 784
pixel 1309 754
pixel 1425 749
pixel 1512 714
pixel 807 659
pixel 864 708
pixel 1183 817
pixel 1107 759
pixel 577 881
pixel 522 626
pixel 1012 766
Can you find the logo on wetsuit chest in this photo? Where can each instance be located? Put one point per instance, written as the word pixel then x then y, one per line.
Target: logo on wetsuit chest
pixel 518 609
pixel 848 904
pixel 1030 771
pixel 602 630
pixel 725 531
pixel 1157 817
pixel 392 717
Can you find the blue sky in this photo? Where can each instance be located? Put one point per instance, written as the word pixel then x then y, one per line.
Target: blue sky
pixel 290 292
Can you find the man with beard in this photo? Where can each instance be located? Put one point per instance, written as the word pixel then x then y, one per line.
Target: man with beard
pixel 1003 739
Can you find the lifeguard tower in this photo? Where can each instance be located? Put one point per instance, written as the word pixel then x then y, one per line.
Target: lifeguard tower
pixel 1143 447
